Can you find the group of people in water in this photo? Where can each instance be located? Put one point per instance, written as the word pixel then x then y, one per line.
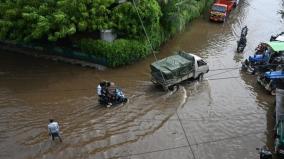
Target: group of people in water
pixel 261 48
pixel 109 94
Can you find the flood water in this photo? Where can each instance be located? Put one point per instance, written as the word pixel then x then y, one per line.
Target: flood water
pixel 224 117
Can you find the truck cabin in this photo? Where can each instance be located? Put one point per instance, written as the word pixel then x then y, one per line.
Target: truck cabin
pixel 220 8
pixel 200 63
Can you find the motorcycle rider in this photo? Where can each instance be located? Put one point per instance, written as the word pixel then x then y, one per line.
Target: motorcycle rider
pixel 109 94
pixel 99 89
pixel 102 92
pixel 243 41
pixel 111 91
pixel 244 31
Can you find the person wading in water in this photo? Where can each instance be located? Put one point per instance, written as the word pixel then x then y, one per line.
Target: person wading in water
pixel 53 129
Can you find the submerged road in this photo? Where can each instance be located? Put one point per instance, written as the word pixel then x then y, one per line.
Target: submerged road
pixel 224 117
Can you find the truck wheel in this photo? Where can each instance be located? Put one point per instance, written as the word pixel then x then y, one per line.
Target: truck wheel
pixel 125 100
pixel 201 77
pixel 173 87
pixel 166 88
pixel 273 92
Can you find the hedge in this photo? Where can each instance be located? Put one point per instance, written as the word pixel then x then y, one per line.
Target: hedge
pixel 117 53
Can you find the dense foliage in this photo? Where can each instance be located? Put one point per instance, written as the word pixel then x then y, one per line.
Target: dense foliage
pixel 176 13
pixel 56 19
pixel 52 19
pixel 29 21
pixel 119 52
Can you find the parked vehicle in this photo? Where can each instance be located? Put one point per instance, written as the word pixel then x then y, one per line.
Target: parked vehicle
pixel 267 57
pixel 174 69
pixel 270 80
pixel 243 40
pixel 221 9
pixel 279 122
pixel 278 37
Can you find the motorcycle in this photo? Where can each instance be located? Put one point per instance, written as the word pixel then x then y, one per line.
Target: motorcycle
pixel 243 41
pixel 244 31
pixel 117 98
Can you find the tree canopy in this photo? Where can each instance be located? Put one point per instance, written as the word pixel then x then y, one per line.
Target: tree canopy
pixel 56 19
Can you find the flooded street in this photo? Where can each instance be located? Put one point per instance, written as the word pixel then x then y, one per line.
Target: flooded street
pixel 226 116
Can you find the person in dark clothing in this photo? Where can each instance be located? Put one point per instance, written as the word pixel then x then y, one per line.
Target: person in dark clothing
pixel 244 31
pixel 243 40
pixel 102 92
pixel 110 91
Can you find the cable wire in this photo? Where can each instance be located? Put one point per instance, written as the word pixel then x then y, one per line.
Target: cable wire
pixel 147 37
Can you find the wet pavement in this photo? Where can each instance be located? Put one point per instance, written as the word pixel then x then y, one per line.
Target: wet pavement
pixel 226 116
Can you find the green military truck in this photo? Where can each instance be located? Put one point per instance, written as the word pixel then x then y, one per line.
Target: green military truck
pixel 174 69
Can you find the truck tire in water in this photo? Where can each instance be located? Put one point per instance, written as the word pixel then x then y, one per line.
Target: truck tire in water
pixel 273 92
pixel 201 77
pixel 173 87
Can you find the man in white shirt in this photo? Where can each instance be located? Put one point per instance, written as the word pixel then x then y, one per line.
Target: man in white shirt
pixel 99 90
pixel 53 129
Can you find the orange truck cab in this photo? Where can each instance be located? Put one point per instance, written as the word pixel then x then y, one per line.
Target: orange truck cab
pixel 221 8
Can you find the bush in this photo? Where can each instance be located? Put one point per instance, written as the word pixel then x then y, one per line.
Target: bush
pixel 117 53
pixel 177 13
pixel 49 20
pixel 127 21
pixel 126 51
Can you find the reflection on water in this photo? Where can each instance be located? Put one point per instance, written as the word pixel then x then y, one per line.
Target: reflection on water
pixel 227 116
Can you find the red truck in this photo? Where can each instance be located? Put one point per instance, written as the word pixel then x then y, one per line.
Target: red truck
pixel 221 9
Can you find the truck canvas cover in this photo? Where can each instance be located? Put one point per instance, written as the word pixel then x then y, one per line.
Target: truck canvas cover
pixel 276 46
pixel 173 66
pixel 280 38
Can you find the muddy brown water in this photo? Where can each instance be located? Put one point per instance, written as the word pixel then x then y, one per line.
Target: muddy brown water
pixel 226 116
